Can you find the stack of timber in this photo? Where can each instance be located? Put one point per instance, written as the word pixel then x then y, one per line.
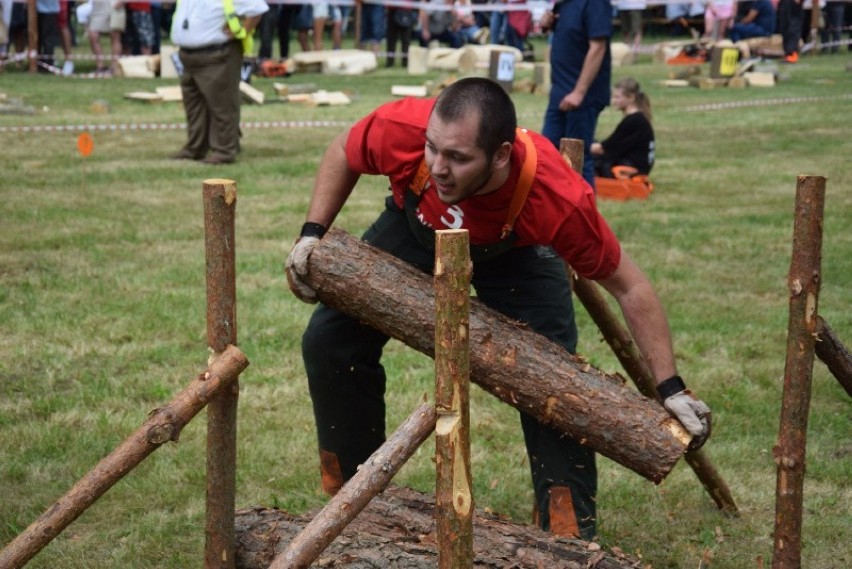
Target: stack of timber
pixel 397 529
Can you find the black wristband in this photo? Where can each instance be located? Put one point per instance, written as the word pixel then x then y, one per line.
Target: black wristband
pixel 669 387
pixel 311 229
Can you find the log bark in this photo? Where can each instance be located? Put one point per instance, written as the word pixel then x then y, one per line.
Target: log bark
pixel 164 424
pixel 804 283
pixel 397 530
pixel 220 198
pixel 454 486
pixel 372 477
pixel 520 367
pixel 621 342
pixel 834 354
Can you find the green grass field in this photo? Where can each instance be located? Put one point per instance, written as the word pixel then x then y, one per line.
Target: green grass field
pixel 102 314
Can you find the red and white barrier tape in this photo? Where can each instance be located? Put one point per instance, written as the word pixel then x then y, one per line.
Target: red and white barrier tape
pixel 763 102
pixel 164 126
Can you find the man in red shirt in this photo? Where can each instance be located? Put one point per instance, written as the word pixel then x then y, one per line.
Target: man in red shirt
pixel 457 162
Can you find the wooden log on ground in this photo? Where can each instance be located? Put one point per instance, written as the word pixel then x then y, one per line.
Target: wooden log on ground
pixel 372 477
pixel 621 342
pixel 803 281
pixel 164 424
pixel 454 484
pixel 520 367
pixel 397 529
pixel 834 354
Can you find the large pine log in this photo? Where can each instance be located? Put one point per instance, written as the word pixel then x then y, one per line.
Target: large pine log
pixel 397 531
pixel 508 360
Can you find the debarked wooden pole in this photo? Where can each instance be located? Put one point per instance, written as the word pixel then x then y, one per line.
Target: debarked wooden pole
pixel 453 486
pixel 163 424
pixel 372 477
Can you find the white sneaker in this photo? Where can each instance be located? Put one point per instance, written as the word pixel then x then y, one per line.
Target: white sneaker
pixel 68 67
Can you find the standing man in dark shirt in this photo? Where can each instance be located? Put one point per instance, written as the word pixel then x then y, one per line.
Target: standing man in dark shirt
pixel 580 71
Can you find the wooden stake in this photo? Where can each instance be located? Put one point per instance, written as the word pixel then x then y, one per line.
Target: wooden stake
pixel 220 197
pixel 453 488
pixel 163 424
pixel 625 349
pixel 834 354
pixel 372 477
pixel 804 283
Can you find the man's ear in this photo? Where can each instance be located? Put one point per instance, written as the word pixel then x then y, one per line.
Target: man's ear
pixel 503 156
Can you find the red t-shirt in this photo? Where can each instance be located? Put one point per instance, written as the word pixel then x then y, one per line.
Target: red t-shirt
pixel 139 6
pixel 560 210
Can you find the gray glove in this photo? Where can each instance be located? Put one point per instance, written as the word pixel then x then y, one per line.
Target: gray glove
pixel 682 404
pixel 296 268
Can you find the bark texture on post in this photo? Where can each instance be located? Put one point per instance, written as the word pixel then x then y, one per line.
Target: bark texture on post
pixel 621 342
pixel 372 477
pixel 513 363
pixel 834 354
pixel 163 424
pixel 397 529
pixel 220 198
pixel 804 283
pixel 453 487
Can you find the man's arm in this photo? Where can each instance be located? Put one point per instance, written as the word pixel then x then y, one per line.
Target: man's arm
pixel 591 67
pixel 647 321
pixel 334 182
pixel 644 315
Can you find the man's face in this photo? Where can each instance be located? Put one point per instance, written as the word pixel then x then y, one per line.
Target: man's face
pixel 458 166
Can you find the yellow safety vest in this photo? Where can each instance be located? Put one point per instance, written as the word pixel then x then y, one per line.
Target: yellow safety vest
pixel 236 27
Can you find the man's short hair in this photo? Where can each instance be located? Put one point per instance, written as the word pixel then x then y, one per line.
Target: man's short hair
pixel 497 118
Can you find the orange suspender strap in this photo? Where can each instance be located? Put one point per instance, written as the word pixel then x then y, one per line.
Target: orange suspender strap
pixel 522 189
pixel 525 180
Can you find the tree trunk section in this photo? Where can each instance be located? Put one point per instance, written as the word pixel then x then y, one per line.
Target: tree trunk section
pixel 372 477
pixel 453 486
pixel 508 360
pixel 220 199
pixel 804 283
pixel 163 424
pixel 834 355
pixel 397 531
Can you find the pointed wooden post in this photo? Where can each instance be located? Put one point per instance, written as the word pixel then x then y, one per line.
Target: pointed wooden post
pixel 32 36
pixel 453 488
pixel 220 198
pixel 803 281
pixel 625 349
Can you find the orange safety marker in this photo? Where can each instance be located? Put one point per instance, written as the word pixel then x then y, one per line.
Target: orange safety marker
pixel 85 144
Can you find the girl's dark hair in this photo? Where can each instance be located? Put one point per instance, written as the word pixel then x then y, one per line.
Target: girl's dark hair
pixel 630 86
pixel 497 118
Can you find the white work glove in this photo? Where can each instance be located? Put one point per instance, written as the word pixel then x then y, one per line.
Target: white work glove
pixel 296 266
pixel 682 404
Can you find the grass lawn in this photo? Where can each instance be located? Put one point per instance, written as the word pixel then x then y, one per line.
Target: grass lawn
pixel 102 313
